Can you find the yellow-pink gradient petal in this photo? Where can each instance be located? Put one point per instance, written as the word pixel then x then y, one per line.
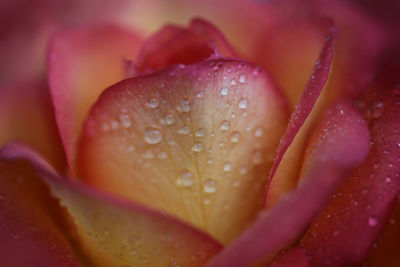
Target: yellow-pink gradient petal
pixel 82 63
pixel 194 141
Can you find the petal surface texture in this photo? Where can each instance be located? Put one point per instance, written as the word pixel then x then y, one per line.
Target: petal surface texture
pixel 347 228
pixel 82 63
pixel 194 141
pixel 178 45
pixel 26 114
pixel 112 232
pixel 31 232
pixel 339 143
pixel 284 173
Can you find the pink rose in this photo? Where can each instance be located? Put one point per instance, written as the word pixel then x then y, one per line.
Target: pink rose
pixel 159 133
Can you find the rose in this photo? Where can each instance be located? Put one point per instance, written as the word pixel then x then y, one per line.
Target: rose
pixel 108 231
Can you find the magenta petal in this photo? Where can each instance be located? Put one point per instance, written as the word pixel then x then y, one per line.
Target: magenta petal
pixel 295 257
pixel 307 101
pixel 333 153
pixel 345 231
pixel 114 232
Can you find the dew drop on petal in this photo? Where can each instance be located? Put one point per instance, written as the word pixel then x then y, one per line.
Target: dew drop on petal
pixel 242 78
pixel 198 147
pixel 148 154
pixel 125 120
pixel 169 119
pixel 152 136
pixel 184 130
pixel 200 132
pixel 372 221
pixel 152 102
pixel 184 105
pixel 227 166
pixel 256 157
pixel 235 137
pixel 224 91
pixel 243 102
pixel 185 178
pixel 258 132
pixel 210 186
pixel 225 125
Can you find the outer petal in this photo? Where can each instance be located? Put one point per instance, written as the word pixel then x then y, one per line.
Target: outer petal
pixel 295 257
pixel 112 232
pixel 82 62
pixel 385 252
pixel 31 226
pixel 339 144
pixel 177 45
pixel 26 114
pixel 344 232
pixel 194 141
pixel 283 175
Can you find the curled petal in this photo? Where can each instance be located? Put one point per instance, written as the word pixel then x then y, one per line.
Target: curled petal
pixel 82 62
pixel 113 232
pixel 283 177
pixel 177 45
pixel 360 208
pixel 333 153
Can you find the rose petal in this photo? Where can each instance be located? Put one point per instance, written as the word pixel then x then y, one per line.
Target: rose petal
pixel 82 62
pixel 295 257
pixel 340 142
pixel 181 140
pixel 26 114
pixel 283 174
pixel 360 208
pixel 31 226
pixel 114 232
pixel 385 252
pixel 173 45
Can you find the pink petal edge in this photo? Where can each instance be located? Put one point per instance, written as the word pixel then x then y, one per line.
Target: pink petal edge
pixel 280 225
pixel 307 101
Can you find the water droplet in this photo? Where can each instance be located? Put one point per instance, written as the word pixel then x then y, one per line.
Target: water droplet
pixel 224 91
pixel 233 82
pixel 162 155
pixel 236 184
pixel 207 201
pixel 258 132
pixel 104 127
pixel 375 110
pixel 148 154
pixel 243 102
pixel 169 119
pixel 152 136
pixel 372 221
pixel 200 132
pixel 184 130
pixel 200 94
pixel 235 137
pixel 197 147
pixel 225 125
pixel 125 120
pixel 210 160
pixel 152 102
pixel 242 78
pixel 171 142
pixel 256 157
pixel 242 171
pixel 114 125
pixel 184 105
pixel 210 186
pixel 227 166
pixel 185 178
pixel 388 179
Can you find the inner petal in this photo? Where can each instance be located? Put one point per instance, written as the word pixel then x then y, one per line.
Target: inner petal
pixel 195 141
